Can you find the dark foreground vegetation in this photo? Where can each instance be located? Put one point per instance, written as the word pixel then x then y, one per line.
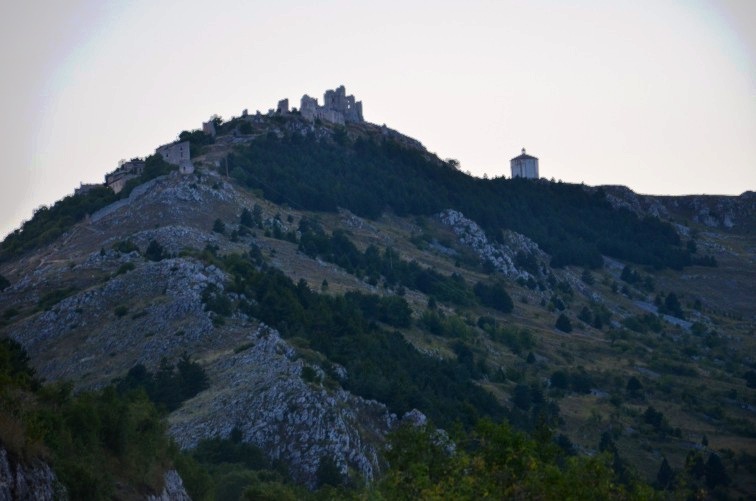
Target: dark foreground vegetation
pixel 109 444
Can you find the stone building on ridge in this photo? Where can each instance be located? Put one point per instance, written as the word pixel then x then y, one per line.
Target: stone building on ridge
pixel 177 154
pixel 525 166
pixel 126 171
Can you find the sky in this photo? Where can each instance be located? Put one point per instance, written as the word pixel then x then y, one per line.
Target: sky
pixel 657 95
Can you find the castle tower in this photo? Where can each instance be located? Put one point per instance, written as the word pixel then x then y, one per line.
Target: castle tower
pixel 524 166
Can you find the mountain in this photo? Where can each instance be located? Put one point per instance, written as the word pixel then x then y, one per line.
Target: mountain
pixel 303 292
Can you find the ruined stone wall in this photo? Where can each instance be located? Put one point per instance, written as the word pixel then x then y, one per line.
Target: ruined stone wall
pixel 117 179
pixel 283 107
pixel 209 128
pixel 337 107
pixel 308 107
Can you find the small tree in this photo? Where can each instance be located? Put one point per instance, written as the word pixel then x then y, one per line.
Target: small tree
pixel 634 387
pixel 586 315
pixel 246 218
pixel 4 283
pixel 328 472
pixel 715 472
pixel 666 476
pixel 219 227
pixel 563 323
pixel 750 378
pixel 587 277
pixel 672 305
pixel 654 418
pixel 521 397
pixel 154 251
pixel 257 215
pixel 192 378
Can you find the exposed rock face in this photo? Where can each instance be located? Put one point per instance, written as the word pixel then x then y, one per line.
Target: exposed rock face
pixel 623 197
pixel 261 392
pixel 34 482
pixel 173 489
pixel 165 316
pixel 729 212
pixel 502 257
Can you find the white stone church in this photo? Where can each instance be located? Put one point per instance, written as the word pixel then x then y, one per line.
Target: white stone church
pixel 524 166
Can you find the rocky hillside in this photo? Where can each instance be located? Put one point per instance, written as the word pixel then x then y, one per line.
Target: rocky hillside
pixel 325 322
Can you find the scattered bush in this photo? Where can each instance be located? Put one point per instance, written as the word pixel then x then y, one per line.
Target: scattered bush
pixel 124 268
pixel 50 299
pixel 125 247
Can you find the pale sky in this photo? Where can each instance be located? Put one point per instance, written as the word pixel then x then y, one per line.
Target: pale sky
pixel 658 95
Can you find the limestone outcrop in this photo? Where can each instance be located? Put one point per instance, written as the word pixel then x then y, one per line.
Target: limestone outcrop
pixel 27 482
pixel 501 256
pixel 259 390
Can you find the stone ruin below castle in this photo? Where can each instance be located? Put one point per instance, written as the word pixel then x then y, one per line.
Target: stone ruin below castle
pixel 338 108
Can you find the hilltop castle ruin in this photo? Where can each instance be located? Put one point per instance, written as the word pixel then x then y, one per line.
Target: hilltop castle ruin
pixel 337 107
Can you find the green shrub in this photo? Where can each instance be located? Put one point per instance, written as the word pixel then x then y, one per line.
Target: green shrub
pixel 495 296
pixel 309 374
pixel 50 299
pixel 125 247
pixel 124 268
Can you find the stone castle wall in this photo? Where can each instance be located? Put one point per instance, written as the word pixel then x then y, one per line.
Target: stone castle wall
pixel 337 108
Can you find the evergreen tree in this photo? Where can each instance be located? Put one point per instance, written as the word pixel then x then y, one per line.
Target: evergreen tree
pixel 563 323
pixel 666 476
pixel 219 227
pixel 634 387
pixel 328 472
pixel 672 305
pixel 154 251
pixel 715 472
pixel 246 218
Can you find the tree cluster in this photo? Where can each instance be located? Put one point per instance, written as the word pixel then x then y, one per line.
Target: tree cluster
pixel 573 224
pixel 380 362
pixel 170 385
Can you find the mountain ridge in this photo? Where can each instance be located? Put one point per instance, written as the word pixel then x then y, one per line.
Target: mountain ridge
pixel 173 266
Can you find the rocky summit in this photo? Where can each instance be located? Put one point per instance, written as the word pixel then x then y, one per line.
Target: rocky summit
pixel 310 290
